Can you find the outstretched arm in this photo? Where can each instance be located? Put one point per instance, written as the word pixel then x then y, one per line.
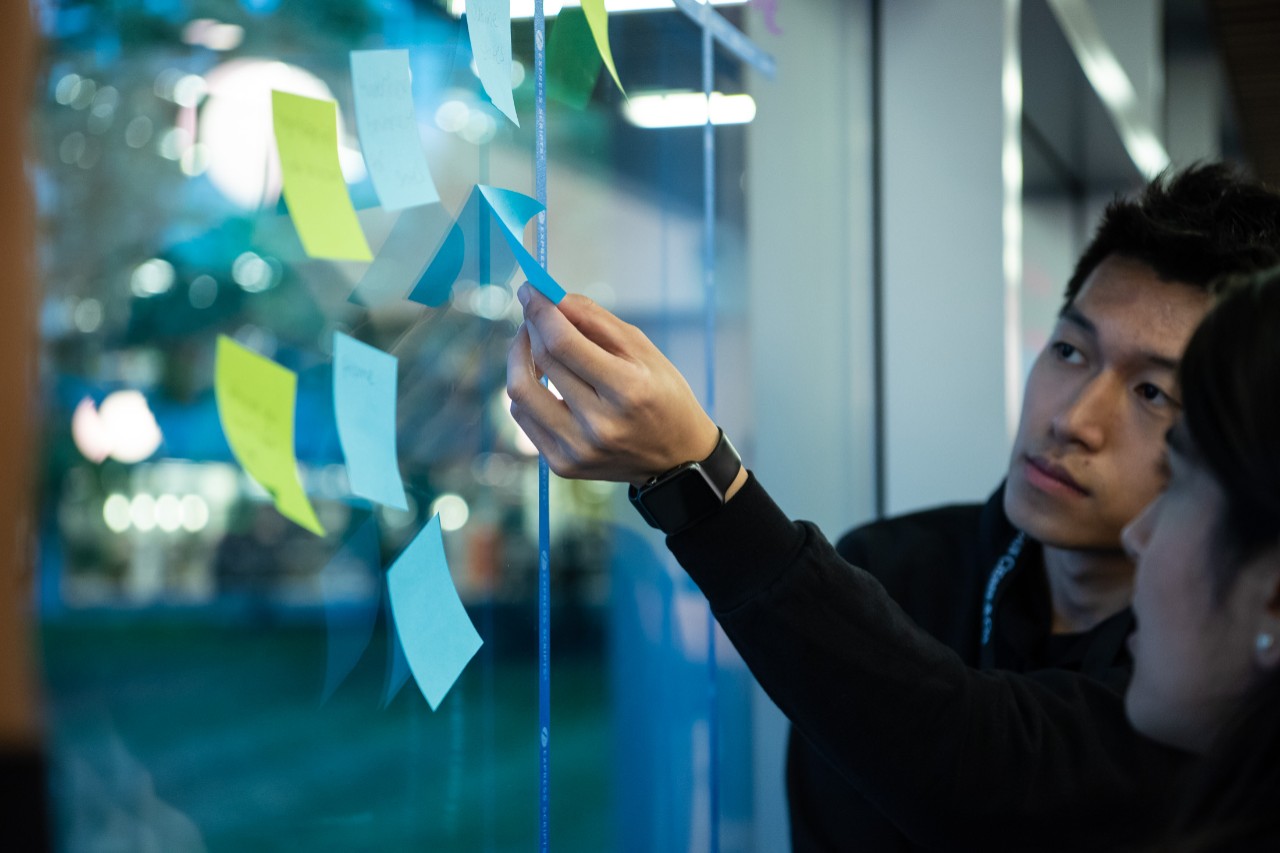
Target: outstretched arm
pixel 954 756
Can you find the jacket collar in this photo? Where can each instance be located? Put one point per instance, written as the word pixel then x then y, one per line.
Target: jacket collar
pixel 1021 611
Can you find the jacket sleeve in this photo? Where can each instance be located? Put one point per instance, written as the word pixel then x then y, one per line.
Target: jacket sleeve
pixel 956 757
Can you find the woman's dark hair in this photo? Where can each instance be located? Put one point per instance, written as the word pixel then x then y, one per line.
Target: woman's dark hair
pixel 1230 376
pixel 1193 226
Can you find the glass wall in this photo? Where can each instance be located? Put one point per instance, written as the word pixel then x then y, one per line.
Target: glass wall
pixel 217 676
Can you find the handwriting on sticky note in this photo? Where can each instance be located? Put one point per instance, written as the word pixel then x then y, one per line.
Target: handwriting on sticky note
pixel 307 140
pixel 489 25
pixel 434 629
pixel 364 400
pixel 388 128
pixel 255 399
pixel 598 19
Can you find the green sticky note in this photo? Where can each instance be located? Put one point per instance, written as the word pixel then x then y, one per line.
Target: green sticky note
pixel 598 19
pixel 307 140
pixel 255 404
pixel 573 63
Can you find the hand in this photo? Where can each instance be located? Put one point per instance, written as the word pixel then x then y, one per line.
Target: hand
pixel 627 413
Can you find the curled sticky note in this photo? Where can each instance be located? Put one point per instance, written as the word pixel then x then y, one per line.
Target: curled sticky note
pixel 573 62
pixel 434 629
pixel 489 25
pixel 598 19
pixel 485 244
pixel 307 141
pixel 255 399
pixel 386 120
pixel 364 401
pixel 403 258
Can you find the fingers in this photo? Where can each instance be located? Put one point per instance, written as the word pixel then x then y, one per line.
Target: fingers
pixel 531 403
pixel 598 325
pixel 548 445
pixel 567 344
pixel 578 394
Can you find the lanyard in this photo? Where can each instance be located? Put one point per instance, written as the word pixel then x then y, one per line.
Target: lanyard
pixel 998 574
pixel 1102 651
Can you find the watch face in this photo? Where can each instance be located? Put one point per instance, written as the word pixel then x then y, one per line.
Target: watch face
pixel 682 499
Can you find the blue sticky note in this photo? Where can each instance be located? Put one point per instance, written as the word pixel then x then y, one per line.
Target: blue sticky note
pixel 515 210
pixel 445 268
pixel 474 249
pixel 438 637
pixel 485 245
pixel 364 401
pixel 383 92
pixel 489 25
pixel 351 585
pixel 402 260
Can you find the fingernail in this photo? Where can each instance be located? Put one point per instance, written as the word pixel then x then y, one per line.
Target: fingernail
pixel 523 295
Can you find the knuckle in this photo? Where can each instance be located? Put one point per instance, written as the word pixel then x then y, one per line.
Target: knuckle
pixel 518 393
pixel 607 435
pixel 553 342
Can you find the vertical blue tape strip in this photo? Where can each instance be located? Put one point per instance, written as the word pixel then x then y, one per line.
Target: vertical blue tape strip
pixel 709 342
pixel 544 521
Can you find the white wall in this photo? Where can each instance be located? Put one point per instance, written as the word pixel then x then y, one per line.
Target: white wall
pixel 809 269
pixel 946 437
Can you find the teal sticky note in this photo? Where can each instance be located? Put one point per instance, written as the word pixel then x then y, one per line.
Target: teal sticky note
pixel 364 401
pixel 489 25
pixel 385 117
pixel 436 282
pixel 434 629
pixel 515 210
pixel 351 584
pixel 402 260
pixel 485 244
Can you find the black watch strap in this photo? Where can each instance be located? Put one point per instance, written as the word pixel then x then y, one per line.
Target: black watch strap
pixel 688 493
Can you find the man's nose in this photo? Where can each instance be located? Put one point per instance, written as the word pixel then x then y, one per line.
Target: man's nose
pixel 1084 420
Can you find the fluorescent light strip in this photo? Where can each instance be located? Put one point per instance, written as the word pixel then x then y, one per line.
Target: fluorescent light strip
pixel 1011 170
pixel 687 109
pixel 524 8
pixel 1112 84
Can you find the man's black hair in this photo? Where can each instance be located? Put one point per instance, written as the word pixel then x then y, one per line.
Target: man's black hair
pixel 1193 226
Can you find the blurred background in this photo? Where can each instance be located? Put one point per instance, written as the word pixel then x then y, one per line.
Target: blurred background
pixel 897 214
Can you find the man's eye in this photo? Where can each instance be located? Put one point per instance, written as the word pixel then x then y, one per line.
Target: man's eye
pixel 1154 394
pixel 1067 352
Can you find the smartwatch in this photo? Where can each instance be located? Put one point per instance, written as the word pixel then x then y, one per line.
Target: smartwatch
pixel 688 493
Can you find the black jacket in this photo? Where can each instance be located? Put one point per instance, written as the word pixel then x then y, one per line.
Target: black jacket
pixel 956 757
pixel 937 565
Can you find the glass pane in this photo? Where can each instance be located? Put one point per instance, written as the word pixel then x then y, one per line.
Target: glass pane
pixel 220 678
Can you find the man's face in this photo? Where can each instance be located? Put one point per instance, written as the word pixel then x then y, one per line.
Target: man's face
pixel 1089 454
